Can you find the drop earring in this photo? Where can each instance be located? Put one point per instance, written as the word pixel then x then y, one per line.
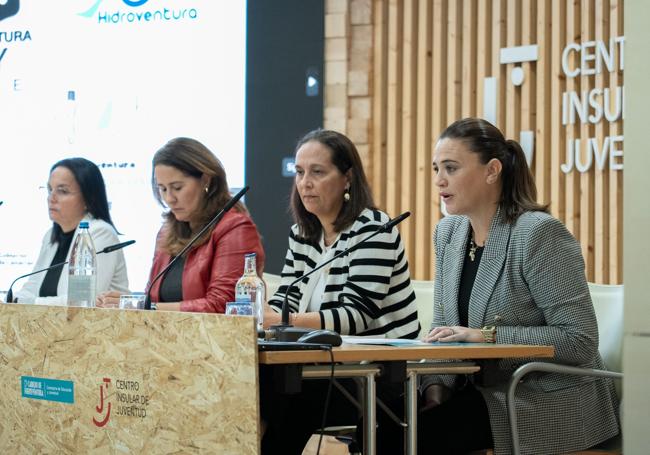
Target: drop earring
pixel 346 195
pixel 206 190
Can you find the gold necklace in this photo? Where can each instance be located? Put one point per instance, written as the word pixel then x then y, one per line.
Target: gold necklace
pixel 472 250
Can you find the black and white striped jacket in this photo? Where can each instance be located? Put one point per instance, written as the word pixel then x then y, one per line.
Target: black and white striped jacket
pixel 367 292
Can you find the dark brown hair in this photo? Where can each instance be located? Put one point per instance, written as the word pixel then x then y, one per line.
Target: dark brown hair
pixel 345 157
pixel 195 160
pixel 518 190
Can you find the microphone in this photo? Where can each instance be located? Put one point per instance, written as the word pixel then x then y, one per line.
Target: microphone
pixel 392 223
pixel 285 331
pixel 108 249
pixel 117 246
pixel 212 222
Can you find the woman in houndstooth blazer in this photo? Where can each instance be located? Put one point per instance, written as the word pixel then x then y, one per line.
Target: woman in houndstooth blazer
pixel 508 272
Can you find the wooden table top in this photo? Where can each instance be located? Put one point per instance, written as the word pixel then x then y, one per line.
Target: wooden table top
pixel 378 353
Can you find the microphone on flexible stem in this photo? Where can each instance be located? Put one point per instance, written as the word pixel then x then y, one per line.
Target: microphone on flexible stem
pixel 117 246
pixel 211 223
pixel 285 331
pixel 108 249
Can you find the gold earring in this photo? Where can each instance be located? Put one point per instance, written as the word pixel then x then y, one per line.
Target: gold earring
pixel 346 195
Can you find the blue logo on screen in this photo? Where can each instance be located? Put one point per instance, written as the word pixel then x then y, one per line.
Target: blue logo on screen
pixel 136 3
pixel 121 16
pixel 9 8
pixel 93 9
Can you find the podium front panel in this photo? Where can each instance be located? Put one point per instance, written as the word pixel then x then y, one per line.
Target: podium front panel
pixel 84 380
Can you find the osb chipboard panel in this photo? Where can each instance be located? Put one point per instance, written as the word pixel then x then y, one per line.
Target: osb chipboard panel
pixel 141 381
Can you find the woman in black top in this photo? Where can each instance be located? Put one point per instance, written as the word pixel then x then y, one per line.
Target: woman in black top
pixel 75 192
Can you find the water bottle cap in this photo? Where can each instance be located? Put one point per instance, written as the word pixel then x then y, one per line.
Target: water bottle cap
pixel 83 225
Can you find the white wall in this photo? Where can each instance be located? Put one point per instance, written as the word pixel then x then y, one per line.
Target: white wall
pixel 113 93
pixel 636 230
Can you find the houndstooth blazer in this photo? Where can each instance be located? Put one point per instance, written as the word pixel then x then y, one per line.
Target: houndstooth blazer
pixel 531 285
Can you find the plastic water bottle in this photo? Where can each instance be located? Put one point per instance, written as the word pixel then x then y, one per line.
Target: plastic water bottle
pixel 82 269
pixel 250 287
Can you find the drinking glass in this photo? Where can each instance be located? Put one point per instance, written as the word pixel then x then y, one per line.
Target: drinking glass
pixel 132 302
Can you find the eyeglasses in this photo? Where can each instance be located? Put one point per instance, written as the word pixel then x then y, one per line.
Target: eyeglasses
pixel 59 191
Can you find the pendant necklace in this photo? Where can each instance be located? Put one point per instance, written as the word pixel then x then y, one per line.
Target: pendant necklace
pixel 472 250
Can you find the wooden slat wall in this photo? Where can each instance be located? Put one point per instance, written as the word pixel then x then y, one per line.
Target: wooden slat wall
pixel 425 66
pixel 615 193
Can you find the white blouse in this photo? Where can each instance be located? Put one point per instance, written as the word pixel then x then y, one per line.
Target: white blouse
pixel 316 297
pixel 111 267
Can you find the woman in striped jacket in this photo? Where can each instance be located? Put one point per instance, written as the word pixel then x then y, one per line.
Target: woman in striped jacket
pixel 366 292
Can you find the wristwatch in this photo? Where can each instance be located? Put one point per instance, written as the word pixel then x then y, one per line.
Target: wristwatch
pixel 489 334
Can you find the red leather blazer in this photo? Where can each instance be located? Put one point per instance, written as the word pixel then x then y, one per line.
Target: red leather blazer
pixel 213 268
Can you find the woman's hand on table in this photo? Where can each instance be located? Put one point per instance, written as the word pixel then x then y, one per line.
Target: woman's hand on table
pixel 110 299
pixel 271 317
pixel 454 334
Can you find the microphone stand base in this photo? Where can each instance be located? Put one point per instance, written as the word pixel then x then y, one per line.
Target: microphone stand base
pixel 288 332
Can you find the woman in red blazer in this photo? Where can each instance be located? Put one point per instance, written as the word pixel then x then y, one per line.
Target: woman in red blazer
pixel 191 182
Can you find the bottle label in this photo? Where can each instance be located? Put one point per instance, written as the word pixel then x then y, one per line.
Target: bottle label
pixel 81 290
pixel 239 308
